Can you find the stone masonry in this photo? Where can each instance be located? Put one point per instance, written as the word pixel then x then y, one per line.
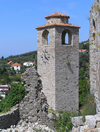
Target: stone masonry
pixel 33 107
pixel 32 111
pixel 58 62
pixel 10 118
pixel 91 124
pixel 94 39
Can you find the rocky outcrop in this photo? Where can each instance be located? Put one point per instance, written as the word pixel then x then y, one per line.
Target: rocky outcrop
pixel 34 107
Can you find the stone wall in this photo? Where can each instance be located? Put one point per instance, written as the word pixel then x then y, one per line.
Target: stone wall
pixel 94 38
pixel 33 107
pixel 10 118
pixel 66 71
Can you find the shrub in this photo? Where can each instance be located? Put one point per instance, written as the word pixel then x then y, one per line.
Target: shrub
pixel 84 89
pixel 89 107
pixel 63 122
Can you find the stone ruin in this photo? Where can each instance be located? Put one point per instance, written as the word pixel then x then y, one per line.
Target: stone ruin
pixel 33 107
pixel 94 38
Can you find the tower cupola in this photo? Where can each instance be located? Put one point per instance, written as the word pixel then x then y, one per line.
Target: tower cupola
pixel 57 17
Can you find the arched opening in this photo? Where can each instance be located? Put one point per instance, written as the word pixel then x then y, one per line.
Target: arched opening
pixel 66 37
pixel 94 27
pixel 45 37
pixel 48 38
pixel 97 0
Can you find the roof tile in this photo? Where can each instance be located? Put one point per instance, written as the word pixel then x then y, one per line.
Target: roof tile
pixel 57 14
pixel 16 64
pixel 58 24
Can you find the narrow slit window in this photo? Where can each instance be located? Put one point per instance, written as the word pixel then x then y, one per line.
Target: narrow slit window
pixel 94 27
pixel 93 36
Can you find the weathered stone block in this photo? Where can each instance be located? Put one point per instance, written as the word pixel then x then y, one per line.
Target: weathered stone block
pixel 98 125
pixel 77 121
pixel 90 120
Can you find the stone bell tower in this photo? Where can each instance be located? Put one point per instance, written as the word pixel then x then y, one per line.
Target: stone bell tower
pixel 58 61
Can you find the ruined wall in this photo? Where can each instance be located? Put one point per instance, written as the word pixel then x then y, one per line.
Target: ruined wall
pixel 33 107
pixel 10 118
pixel 94 38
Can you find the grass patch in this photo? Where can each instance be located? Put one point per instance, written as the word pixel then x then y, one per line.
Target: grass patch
pixel 51 111
pixel 89 107
pixel 63 122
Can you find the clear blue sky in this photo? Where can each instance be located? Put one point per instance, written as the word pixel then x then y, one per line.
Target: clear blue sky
pixel 18 19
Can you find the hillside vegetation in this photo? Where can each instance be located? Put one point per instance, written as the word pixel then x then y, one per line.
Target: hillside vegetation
pixel 8 75
pixel 16 94
pixel 30 56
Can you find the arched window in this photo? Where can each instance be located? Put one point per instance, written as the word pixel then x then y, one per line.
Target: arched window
pixel 45 37
pixel 66 37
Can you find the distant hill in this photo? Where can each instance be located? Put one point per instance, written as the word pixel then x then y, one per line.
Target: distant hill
pixel 84 45
pixel 30 56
